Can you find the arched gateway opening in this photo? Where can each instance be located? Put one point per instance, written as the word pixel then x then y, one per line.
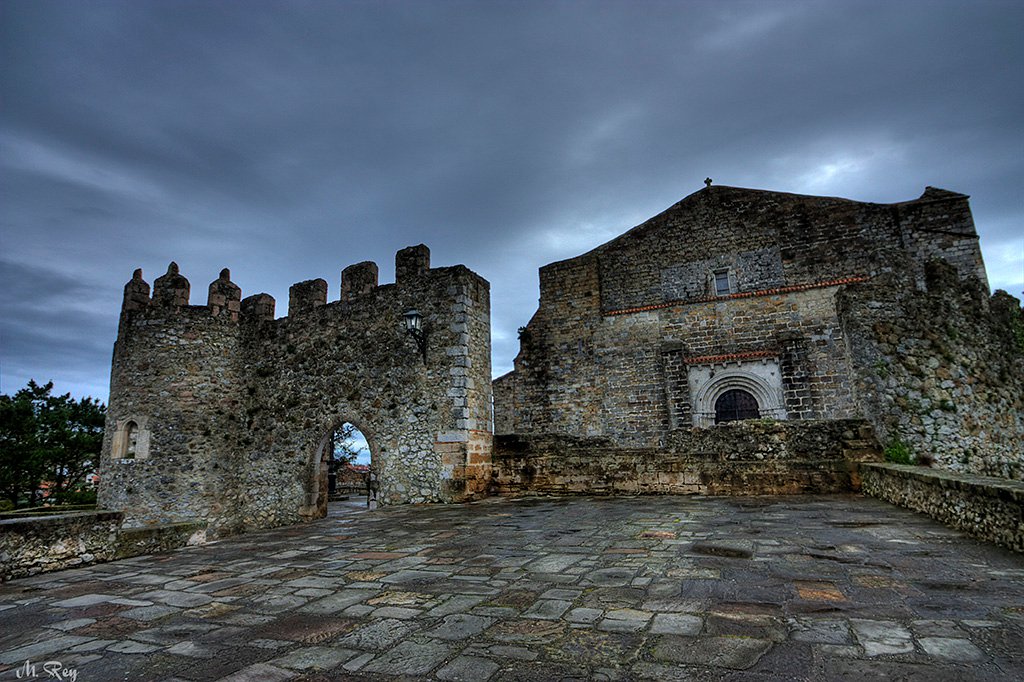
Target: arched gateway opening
pixel 345 471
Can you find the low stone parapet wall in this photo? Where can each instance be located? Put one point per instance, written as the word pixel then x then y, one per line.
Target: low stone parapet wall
pixel 991 509
pixel 52 542
pixel 153 539
pixel 37 544
pixel 741 458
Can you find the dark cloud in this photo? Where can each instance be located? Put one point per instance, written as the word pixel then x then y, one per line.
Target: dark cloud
pixel 287 140
pixel 53 327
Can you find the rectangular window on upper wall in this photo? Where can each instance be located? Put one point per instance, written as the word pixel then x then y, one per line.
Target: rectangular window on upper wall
pixel 722 287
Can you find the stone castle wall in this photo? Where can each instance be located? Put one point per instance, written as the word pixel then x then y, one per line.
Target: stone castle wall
pixel 742 458
pixel 233 407
pixel 941 370
pixel 174 375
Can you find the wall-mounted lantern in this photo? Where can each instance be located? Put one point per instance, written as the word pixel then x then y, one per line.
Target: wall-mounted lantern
pixel 414 328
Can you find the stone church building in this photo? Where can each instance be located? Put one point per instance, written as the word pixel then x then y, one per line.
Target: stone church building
pixel 817 327
pixel 722 307
pixel 742 341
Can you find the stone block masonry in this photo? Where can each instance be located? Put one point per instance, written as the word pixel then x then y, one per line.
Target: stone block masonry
pixel 742 458
pixel 221 413
pixel 988 508
pixel 940 369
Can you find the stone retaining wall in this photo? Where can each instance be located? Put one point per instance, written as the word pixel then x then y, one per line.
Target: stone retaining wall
pixel 741 458
pixel 150 540
pixel 991 509
pixel 40 544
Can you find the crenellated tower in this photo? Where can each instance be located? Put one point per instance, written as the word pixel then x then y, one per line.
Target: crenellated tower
pixel 221 412
pixel 174 394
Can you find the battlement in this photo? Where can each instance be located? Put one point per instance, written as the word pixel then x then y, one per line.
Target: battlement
pixel 306 296
pixel 358 280
pixel 222 412
pixel 171 291
pixel 224 296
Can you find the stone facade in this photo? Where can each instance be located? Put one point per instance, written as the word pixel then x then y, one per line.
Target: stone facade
pixel 222 413
pixel 791 305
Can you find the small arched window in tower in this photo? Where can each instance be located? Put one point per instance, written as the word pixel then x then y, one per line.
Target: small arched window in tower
pixel 734 405
pixel 131 440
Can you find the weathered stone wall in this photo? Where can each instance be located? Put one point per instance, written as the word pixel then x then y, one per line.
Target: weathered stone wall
pixel 628 376
pixel 991 509
pixel 234 407
pixel 740 458
pixel 629 336
pixel 774 239
pixel 151 539
pixel 39 544
pixel 504 391
pixel 941 370
pixel 174 374
pixel 351 361
pixel 53 542
pixel 470 392
pixel 646 359
pixel 939 226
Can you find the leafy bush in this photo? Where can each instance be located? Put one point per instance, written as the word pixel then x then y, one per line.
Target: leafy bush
pixel 80 497
pixel 898 452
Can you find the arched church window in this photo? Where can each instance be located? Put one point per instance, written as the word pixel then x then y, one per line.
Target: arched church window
pixel 734 405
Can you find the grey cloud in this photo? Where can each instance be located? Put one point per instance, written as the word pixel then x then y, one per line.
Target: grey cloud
pixel 287 140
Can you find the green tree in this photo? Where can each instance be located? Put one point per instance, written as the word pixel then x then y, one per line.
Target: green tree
pixel 345 443
pixel 47 438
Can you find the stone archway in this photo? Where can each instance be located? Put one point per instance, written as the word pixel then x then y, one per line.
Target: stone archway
pixel 318 483
pixel 736 405
pixel 763 386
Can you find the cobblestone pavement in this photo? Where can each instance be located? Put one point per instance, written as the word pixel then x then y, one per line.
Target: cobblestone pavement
pixel 664 588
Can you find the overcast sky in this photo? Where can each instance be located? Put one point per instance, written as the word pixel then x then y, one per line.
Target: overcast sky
pixel 287 140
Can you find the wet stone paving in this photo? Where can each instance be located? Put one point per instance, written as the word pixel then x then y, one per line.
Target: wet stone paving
pixel 659 588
